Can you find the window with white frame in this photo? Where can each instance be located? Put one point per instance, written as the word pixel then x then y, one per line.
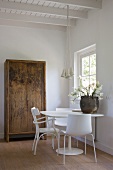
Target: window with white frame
pixel 87 65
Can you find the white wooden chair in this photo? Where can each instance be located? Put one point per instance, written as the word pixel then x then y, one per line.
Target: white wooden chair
pixel 78 125
pixel 43 131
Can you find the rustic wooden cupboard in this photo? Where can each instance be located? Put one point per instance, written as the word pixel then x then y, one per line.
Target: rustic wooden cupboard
pixel 25 87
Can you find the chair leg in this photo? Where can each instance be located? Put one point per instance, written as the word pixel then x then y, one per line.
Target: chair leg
pixel 53 141
pixel 36 142
pixel 64 150
pixel 85 145
pixel 94 147
pixel 58 142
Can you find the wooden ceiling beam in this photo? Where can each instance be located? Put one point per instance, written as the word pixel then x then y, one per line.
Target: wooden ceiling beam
pixel 92 4
pixel 43 9
pixel 34 19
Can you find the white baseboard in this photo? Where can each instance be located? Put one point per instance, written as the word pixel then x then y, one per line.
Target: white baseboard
pixel 104 148
pixel 99 146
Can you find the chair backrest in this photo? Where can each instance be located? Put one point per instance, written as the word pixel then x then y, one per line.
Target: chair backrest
pixel 61 121
pixel 79 125
pixel 63 109
pixel 35 112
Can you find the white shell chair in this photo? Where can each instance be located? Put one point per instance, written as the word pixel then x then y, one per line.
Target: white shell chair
pixel 78 125
pixel 61 123
pixel 53 131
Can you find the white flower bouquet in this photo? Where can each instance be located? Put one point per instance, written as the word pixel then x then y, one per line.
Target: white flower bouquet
pixel 93 90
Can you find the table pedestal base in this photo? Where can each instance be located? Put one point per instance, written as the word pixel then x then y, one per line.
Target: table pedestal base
pixel 72 151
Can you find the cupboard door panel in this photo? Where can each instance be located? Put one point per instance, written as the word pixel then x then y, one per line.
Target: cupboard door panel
pixel 17 97
pixel 35 88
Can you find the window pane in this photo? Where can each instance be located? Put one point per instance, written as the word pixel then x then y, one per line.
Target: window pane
pixel 85 66
pixel 93 79
pixel 93 64
pixel 85 81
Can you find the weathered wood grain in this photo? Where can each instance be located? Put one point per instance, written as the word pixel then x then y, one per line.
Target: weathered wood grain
pixel 25 87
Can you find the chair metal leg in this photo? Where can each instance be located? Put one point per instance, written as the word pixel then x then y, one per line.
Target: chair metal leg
pixel 85 145
pixel 58 142
pixel 94 147
pixel 53 141
pixel 64 150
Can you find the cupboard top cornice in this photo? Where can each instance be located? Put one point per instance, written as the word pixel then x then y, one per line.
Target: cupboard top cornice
pixel 24 61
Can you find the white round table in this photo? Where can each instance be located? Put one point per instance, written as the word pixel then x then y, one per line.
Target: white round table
pixel 62 114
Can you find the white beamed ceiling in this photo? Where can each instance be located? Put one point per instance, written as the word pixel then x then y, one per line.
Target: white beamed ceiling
pixel 47 11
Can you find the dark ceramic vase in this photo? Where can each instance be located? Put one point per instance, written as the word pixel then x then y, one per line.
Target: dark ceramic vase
pixel 89 104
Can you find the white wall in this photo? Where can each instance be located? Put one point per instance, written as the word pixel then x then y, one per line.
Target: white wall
pixel 41 43
pixel 98 29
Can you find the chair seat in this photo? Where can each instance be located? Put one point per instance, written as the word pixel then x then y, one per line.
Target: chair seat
pixel 61 123
pixel 57 123
pixel 49 130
